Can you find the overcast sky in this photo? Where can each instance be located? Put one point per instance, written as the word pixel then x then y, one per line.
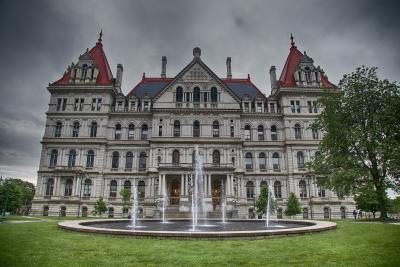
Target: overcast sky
pixel 39 39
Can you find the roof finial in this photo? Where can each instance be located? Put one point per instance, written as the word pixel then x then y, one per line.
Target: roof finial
pixel 292 40
pixel 248 77
pixel 100 36
pixel 144 76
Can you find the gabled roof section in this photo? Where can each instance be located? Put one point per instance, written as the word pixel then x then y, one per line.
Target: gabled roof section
pixel 242 87
pixel 149 86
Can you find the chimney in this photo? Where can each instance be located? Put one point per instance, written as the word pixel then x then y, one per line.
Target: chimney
pixel 163 67
pixel 120 69
pixel 228 68
pixel 272 75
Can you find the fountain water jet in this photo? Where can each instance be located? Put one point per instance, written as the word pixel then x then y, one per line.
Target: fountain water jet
pixel 271 198
pixel 134 206
pixel 223 202
pixel 198 201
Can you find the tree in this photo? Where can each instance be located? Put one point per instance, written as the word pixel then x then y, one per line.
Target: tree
pixel 262 202
pixel 366 200
pixel 361 142
pixel 394 207
pixel 16 196
pixel 100 206
pixel 293 205
pixel 126 197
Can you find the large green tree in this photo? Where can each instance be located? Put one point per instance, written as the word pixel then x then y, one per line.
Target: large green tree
pixel 262 202
pixel 100 206
pixel 126 197
pixel 293 205
pixel 361 141
pixel 16 196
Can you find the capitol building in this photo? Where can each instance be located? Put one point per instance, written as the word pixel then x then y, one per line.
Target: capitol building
pixel 98 140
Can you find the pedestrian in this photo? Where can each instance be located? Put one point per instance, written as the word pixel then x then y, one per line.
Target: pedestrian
pixel 355 214
pixel 360 214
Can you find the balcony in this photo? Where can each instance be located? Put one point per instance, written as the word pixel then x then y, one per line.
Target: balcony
pixel 190 166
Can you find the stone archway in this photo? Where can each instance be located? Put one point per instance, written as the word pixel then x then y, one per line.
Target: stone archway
pixel 175 192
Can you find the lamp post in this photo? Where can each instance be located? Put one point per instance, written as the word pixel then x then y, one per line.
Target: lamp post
pixel 309 177
pixel 79 174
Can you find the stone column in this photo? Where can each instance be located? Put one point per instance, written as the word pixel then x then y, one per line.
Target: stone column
pixel 228 186
pixel 164 189
pixel 182 185
pixel 186 185
pixel 159 184
pixel 209 184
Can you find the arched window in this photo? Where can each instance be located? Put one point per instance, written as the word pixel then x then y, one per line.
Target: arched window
pixel 75 129
pixel 145 131
pixel 84 71
pixel 53 157
pixel 175 157
pixel 216 158
pixel 118 130
pixel 68 187
pixel 127 185
pixel 274 133
pixel 303 189
pixel 142 161
pixel 305 213
pixel 113 189
pixel 260 133
pixel 87 188
pixel 250 190
pixel 131 131
pixel 93 129
pixel 247 133
pixel 128 160
pixel 278 189
pixel 263 184
pixel 141 190
pixel 215 129
pixel 196 94
pixel 71 158
pixel 326 212
pixel 300 160
pixel 262 161
pixel 248 161
pixel 177 128
pixel 214 94
pixel 179 94
pixel 90 159
pixel 297 131
pixel 115 160
pixel 196 129
pixel 57 129
pixel 49 187
pixel 276 165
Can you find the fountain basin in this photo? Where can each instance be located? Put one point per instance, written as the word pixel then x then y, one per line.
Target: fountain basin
pixel 215 229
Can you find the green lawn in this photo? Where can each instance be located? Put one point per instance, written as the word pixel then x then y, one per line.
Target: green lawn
pixel 352 244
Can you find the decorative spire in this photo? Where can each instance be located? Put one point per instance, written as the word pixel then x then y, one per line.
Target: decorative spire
pixel 100 36
pixel 292 40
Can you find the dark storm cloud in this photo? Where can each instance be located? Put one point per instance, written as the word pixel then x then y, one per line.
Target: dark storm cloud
pixel 40 39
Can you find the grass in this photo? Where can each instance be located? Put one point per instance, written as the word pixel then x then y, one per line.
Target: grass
pixel 352 244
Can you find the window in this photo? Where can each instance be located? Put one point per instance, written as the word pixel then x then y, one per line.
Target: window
pixel 264 184
pixel 179 94
pixel 292 105
pixel 90 159
pixel 215 129
pixel 49 187
pixel 272 107
pixel 175 157
pixel 247 133
pixel 262 161
pixel 141 190
pixel 305 213
pixel 96 104
pixel 177 128
pixel 113 189
pixel 233 161
pixel 297 131
pixel 196 94
pixel 314 133
pixel 59 104
pixel 278 189
pixel 308 75
pixel 295 106
pixel 131 131
pixel 75 129
pixel 93 129
pixel 315 108
pixel 250 190
pixel 84 71
pixel 196 129
pixel 64 104
pixel 115 160
pixel 321 191
pixel 303 189
pixel 57 129
pixel 248 161
pixel 71 158
pixel 259 107
pixel 300 160
pixel 160 130
pixel 128 160
pixel 216 158
pixel 145 131
pixel 187 97
pixel 127 185
pixel 312 107
pixel 120 106
pixel 133 105
pixel 232 131
pixel 87 187
pixel 274 133
pixel 68 188
pixel 260 133
pixel 275 161
pixel 79 104
pixel 246 107
pixel 205 96
pixel 142 161
pixel 214 94
pixel 145 106
pixel 118 130
pixel 53 158
pixel 326 213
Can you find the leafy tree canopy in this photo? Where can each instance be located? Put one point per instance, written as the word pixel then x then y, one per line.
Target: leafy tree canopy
pixel 293 205
pixel 262 202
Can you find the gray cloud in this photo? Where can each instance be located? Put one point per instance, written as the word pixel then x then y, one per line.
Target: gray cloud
pixel 39 40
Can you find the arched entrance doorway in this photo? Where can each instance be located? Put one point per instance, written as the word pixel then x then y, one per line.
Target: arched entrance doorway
pixel 175 192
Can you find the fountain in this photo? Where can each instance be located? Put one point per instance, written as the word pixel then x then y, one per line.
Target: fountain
pixel 134 206
pixel 163 209
pixel 223 202
pixel 269 209
pixel 197 185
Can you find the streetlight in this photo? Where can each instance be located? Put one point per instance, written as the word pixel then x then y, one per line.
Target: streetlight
pixel 309 176
pixel 79 173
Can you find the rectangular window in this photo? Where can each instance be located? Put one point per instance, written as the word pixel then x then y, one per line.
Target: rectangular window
pixel 81 104
pixel 315 107
pixel 119 106
pixel 205 96
pixel 246 107
pixel 76 104
pixel 133 105
pixel 297 106
pixel 272 107
pixel 187 97
pixel 64 104
pixel 293 107
pixel 145 106
pixel 259 107
pixel 314 133
pixel 59 104
pixel 94 101
pixel 160 130
pixel 99 100
pixel 310 110
pixel 232 131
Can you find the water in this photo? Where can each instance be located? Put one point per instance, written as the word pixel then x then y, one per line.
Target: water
pixel 197 184
pixel 163 209
pixel 134 206
pixel 223 202
pixel 269 210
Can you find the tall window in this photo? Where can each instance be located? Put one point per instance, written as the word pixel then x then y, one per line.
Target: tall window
pixel 118 130
pixel 49 187
pixel 175 157
pixel 321 191
pixel 131 131
pixel 272 107
pixel 275 161
pixel 75 129
pixel 145 132
pixel 297 131
pixel 127 185
pixel 179 94
pixel 295 106
pixel 142 190
pixel 128 160
pixel 113 189
pixel 214 94
pixel 96 104
pixel 87 188
pixel 160 130
pixel 303 188
pixel 93 129
pixel 262 161
pixel 57 129
pixel 278 189
pixel 177 128
pixel 248 161
pixel 250 190
pixel 300 160
pixel 196 129
pixel 59 104
pixel 196 94
pixel 260 132
pixel 232 131
pixel 90 159
pixel 68 187
pixel 247 133
pixel 53 157
pixel 274 133
pixel 142 161
pixel 71 158
pixel 84 71
pixel 264 184
pixel 215 129
pixel 308 74
pixel 314 132
pixel 115 160
pixel 216 158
